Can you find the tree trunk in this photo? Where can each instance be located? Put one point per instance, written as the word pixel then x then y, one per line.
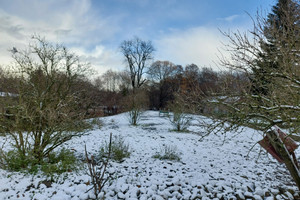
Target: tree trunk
pixel 285 155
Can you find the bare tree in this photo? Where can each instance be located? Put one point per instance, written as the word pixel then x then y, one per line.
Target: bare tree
pixel 161 70
pixel 192 71
pixel 7 81
pixel 269 58
pixel 47 111
pixel 163 75
pixel 125 82
pixel 110 80
pixel 137 54
pixel 272 107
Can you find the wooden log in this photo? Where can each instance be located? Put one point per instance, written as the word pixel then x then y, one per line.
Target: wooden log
pixel 289 143
pixel 281 149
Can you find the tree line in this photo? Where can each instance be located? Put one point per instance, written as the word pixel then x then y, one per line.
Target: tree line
pixel 162 81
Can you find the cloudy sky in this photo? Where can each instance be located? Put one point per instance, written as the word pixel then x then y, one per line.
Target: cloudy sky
pixel 182 31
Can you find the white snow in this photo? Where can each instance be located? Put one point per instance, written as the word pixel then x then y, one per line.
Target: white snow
pixel 210 168
pixel 7 94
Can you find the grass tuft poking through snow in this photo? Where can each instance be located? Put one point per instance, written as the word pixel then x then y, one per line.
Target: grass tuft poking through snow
pixel 168 152
pixel 119 149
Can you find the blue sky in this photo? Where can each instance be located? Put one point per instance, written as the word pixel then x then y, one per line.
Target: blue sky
pixel 182 31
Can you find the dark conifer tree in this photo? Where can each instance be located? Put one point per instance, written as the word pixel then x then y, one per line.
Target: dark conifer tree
pixel 278 33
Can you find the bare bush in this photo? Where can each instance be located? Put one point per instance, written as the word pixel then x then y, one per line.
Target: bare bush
pixel 180 119
pixel 97 170
pixel 135 103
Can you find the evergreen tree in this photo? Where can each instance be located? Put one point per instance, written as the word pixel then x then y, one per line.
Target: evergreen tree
pixel 280 27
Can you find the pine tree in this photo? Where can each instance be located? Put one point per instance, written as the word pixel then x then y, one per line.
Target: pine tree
pixel 280 27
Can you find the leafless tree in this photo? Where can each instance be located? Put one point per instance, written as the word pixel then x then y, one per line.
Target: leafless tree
pixel 161 70
pixel 137 54
pixel 109 81
pixel 47 111
pixel 283 80
pixel 192 71
pixel 269 58
pixel 164 81
pixel 125 81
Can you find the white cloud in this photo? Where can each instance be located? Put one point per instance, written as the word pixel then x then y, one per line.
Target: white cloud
pixel 73 23
pixel 83 29
pixel 229 18
pixel 101 58
pixel 196 45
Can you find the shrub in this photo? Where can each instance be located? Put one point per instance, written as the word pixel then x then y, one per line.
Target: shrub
pixel 119 149
pixel 98 170
pixel 63 161
pixel 14 161
pixel 168 152
pixel 134 116
pixel 180 121
pixel 135 103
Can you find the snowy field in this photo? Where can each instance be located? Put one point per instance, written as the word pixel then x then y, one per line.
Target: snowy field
pixel 211 168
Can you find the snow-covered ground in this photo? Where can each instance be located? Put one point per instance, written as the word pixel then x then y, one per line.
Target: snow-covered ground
pixel 211 168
